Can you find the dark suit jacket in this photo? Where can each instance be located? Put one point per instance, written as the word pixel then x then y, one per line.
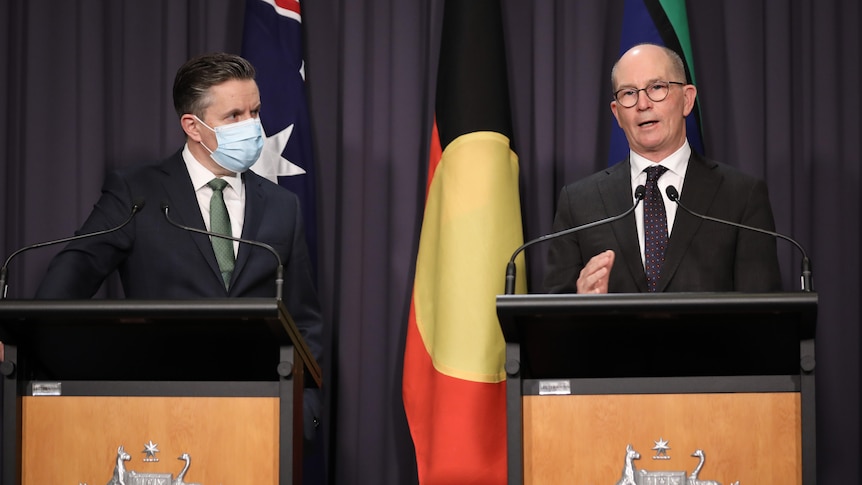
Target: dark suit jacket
pixel 701 255
pixel 156 260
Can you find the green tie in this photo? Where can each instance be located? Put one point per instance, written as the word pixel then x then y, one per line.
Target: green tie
pixel 220 224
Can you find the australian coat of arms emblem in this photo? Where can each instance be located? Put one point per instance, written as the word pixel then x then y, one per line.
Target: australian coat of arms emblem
pixel 632 476
pixel 122 476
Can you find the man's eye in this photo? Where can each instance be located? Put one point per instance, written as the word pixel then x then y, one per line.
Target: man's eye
pixel 656 87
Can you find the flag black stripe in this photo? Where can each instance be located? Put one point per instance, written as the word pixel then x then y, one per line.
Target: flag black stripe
pixel 472 86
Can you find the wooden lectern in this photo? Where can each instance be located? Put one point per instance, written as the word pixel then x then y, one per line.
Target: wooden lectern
pixel 667 388
pixel 201 391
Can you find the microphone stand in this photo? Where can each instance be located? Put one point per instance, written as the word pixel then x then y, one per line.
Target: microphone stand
pixel 511 267
pixel 136 207
pixel 673 195
pixel 279 271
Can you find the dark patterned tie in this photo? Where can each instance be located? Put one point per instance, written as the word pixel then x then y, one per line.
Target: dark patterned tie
pixel 220 224
pixel 655 227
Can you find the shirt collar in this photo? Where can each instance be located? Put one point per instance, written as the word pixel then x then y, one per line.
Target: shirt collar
pixel 201 176
pixel 676 162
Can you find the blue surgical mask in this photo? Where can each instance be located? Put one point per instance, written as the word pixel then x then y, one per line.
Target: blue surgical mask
pixel 239 144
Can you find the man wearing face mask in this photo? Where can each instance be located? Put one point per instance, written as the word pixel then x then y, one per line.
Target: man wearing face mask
pixel 218 102
pixel 205 185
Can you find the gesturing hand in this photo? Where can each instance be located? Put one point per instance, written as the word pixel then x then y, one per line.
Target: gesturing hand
pixel 595 275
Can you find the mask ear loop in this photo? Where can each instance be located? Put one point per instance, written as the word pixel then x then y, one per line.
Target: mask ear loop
pixel 206 147
pixel 209 128
pixel 202 122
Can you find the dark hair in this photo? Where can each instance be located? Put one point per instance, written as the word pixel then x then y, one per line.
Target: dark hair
pixel 198 75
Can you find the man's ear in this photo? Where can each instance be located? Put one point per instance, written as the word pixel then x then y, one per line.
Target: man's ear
pixel 614 109
pixel 191 126
pixel 689 92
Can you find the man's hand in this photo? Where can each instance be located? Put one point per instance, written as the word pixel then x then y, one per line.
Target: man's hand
pixel 595 275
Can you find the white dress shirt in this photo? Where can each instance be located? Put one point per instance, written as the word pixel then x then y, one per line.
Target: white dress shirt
pixel 677 163
pixel 234 194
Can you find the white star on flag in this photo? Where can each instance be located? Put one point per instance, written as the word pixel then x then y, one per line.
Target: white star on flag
pixel 271 163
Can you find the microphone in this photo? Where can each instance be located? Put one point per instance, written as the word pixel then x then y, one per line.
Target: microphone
pixel 673 195
pixel 137 205
pixel 279 271
pixel 511 268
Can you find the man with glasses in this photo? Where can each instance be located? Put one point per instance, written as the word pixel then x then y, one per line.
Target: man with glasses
pixel 658 248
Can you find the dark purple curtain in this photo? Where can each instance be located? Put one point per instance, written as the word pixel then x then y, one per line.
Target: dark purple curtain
pixel 85 87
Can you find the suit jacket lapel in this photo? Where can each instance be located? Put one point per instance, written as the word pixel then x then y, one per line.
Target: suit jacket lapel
pixel 254 208
pixel 185 210
pixel 616 194
pixel 699 189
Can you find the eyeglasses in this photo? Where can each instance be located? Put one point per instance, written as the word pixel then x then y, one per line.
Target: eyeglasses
pixel 655 91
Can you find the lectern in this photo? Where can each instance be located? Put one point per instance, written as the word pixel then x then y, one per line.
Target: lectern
pixel 660 388
pixel 199 391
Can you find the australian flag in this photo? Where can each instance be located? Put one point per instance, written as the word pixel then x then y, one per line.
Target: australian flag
pixel 272 42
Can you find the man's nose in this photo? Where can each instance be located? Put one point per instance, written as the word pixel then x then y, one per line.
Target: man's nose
pixel 643 100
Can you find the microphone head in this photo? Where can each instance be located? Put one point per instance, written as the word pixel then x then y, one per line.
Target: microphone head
pixel 640 192
pixel 138 204
pixel 164 205
pixel 672 193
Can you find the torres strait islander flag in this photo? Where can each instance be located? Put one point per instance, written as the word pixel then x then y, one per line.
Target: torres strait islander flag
pixel 662 22
pixel 454 387
pixel 272 42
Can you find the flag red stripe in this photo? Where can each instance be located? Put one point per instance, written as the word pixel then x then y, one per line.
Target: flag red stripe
pixel 445 415
pixel 292 5
pixel 435 154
